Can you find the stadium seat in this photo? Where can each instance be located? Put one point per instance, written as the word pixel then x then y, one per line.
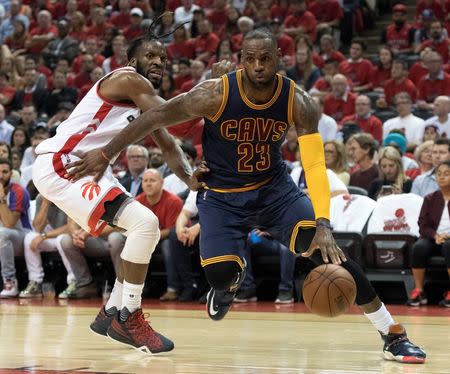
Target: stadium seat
pixel 386 258
pixel 354 190
pixel 351 243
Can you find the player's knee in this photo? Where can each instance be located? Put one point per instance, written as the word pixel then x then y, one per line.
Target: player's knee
pixel 222 275
pixel 138 220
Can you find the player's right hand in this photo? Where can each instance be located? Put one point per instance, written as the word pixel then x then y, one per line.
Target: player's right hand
pixel 324 241
pixel 91 163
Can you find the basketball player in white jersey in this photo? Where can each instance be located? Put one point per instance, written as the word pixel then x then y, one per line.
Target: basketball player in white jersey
pixel 108 107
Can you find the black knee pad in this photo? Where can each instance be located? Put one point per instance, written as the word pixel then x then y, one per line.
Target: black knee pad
pixel 221 275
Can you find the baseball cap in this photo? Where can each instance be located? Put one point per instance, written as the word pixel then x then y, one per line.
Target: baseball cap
pixel 399 8
pixel 397 140
pixel 137 12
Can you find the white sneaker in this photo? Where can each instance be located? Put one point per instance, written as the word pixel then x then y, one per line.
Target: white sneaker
pixel 10 288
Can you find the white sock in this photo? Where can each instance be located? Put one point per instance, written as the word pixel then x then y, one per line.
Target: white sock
pixel 381 319
pixel 115 299
pixel 131 296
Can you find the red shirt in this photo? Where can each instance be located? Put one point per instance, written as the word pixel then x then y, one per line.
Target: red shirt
pixel 187 86
pixel 277 11
pixel 442 47
pixel 287 154
pixel 391 89
pixel 398 39
pixel 78 61
pixel 430 89
pixel 132 32
pixel 218 18
pixel 97 30
pixel 206 43
pixel 435 6
pixel 335 55
pixel 185 49
pixel 359 72
pixel 236 42
pixel 326 11
pixel 286 44
pixel 9 92
pixel 305 20
pixel 166 209
pixel 121 20
pixel 82 79
pixel 417 71
pixel 380 76
pixel 338 108
pixel 371 125
pixel 180 80
pixel 37 31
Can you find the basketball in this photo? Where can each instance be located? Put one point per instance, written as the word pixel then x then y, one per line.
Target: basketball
pixel 329 290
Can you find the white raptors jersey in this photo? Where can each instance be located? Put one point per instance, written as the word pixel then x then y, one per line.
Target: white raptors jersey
pixel 92 124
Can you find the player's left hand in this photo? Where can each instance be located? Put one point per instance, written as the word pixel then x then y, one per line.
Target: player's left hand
pixel 195 181
pixel 323 239
pixel 222 67
pixel 91 163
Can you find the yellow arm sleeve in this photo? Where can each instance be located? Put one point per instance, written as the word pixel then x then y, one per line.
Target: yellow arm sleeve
pixel 313 162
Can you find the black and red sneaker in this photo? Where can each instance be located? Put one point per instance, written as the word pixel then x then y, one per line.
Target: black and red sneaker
pixel 397 347
pixel 137 332
pixel 103 321
pixel 445 302
pixel 417 298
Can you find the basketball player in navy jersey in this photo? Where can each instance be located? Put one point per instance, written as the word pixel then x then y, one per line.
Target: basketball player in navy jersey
pixel 247 114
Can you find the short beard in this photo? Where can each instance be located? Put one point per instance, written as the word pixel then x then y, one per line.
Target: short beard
pixel 155 83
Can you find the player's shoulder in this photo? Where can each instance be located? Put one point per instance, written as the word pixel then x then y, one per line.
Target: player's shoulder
pixel 129 77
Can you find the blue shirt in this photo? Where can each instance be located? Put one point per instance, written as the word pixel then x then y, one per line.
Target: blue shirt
pixel 425 184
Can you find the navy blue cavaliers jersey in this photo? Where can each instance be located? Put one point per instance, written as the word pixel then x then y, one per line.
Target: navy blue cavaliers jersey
pixel 242 142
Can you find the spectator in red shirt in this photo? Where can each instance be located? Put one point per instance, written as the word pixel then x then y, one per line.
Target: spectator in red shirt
pixel 91 48
pixel 98 23
pixel 357 68
pixel 280 9
pixel 435 83
pixel 83 77
pixel 382 71
pixel 206 42
pixel 301 21
pixel 42 34
pixel 328 14
pixel 245 24
pixel 398 83
pixel 184 73
pixel 419 68
pixel 122 18
pixel 218 15
pixel 322 86
pixel 341 102
pixel 119 57
pixel 197 70
pixel 181 47
pixel 165 205
pixel 134 30
pixel 433 5
pixel 328 50
pixel 230 28
pixel 438 42
pixel 78 29
pixel 7 92
pixel 399 36
pixel 96 74
pixel 363 117
pixel 284 41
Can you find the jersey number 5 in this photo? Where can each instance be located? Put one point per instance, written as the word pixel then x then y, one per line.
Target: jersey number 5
pixel 248 152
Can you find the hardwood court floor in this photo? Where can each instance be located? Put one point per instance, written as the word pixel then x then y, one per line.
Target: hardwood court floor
pixel 47 337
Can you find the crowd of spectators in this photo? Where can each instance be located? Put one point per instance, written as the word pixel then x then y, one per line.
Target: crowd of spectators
pixel 384 118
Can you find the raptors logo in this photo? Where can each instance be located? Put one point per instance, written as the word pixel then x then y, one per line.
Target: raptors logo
pixel 89 190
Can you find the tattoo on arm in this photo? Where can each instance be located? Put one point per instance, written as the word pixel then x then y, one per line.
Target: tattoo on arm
pixel 306 113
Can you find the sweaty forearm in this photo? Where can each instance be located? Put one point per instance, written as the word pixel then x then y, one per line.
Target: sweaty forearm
pixel 147 122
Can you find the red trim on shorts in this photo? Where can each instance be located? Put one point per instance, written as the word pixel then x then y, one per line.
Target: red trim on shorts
pixel 112 102
pixel 72 142
pixel 97 213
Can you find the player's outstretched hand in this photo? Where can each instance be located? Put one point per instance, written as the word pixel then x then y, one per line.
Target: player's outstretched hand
pixel 222 67
pixel 91 163
pixel 323 240
pixel 195 183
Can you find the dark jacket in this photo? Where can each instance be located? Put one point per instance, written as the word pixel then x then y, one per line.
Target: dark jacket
pixel 431 213
pixel 126 182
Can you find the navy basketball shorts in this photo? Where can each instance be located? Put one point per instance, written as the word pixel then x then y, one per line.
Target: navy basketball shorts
pixel 278 207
